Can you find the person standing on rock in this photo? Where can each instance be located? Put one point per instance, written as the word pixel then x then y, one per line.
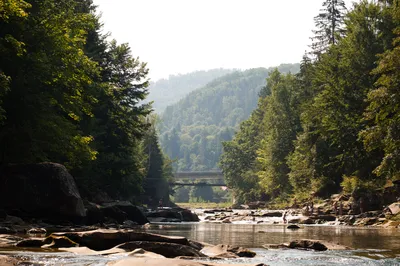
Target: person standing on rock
pixel 284 217
pixel 341 208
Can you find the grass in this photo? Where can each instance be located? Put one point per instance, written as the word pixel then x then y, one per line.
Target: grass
pixel 203 205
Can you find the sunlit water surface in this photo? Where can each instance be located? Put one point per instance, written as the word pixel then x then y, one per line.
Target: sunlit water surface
pixel 370 246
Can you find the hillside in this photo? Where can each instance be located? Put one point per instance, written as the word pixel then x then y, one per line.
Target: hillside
pixel 166 92
pixel 192 129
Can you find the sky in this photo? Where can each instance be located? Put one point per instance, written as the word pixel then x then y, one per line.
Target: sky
pixel 181 36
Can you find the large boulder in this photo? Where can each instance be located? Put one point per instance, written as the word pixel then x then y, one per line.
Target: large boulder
pixel 44 190
pixel 118 211
pixel 106 239
pixel 183 215
pixel 168 250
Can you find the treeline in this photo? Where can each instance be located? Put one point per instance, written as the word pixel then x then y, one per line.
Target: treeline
pixel 68 95
pixel 334 126
pixel 166 92
pixel 192 131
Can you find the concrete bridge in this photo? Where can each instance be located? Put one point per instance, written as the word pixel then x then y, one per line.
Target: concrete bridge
pixel 188 178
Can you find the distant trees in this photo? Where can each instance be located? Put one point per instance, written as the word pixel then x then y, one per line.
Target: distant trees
pixel 193 129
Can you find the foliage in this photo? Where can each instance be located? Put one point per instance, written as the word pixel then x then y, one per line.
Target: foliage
pixel 166 92
pixel 193 129
pixel 70 96
pixel 332 126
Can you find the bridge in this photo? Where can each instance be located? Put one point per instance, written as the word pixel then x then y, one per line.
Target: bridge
pixel 184 178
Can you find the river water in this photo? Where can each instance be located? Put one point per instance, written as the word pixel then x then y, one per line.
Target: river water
pixel 370 246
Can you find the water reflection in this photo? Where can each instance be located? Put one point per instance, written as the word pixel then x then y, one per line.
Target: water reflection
pixel 256 235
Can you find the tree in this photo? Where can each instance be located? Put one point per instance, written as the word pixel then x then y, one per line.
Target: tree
pixel 383 111
pixel 329 24
pixel 46 72
pixel 280 125
pixel 155 183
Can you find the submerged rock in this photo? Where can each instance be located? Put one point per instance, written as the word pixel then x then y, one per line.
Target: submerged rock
pixel 308 244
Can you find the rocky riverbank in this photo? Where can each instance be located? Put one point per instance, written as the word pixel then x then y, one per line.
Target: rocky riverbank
pixel 322 213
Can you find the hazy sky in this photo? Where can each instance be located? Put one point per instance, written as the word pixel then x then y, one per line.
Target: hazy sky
pixel 180 36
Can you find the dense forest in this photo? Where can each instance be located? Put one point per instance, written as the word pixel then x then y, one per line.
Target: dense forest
pixel 165 92
pixel 192 131
pixel 71 96
pixel 334 126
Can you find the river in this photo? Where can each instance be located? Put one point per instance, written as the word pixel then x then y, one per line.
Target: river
pixel 371 246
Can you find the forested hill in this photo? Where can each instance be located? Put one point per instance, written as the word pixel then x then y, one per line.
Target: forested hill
pixel 192 130
pixel 166 92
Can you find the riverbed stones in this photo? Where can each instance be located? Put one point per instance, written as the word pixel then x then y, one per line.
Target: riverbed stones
pixel 105 239
pixel 169 250
pixel 40 190
pixel 168 262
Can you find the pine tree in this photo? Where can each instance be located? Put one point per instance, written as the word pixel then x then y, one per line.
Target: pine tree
pixel 329 24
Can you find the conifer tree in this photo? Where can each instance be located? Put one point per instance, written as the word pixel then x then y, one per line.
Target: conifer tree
pixel 329 24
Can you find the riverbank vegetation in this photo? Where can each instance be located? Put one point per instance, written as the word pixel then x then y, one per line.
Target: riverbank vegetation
pixel 70 95
pixel 332 127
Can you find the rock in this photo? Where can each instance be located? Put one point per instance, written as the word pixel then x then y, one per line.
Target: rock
pixel 7 230
pixel 274 246
pixel 40 190
pixel 347 219
pixel 328 218
pixel 307 244
pixel 164 220
pixel 129 224
pixel 174 213
pixel 105 239
pixel 8 261
pixel 169 250
pixel 94 214
pixel 272 214
pixel 37 231
pixel 318 245
pixel 394 208
pixel 302 220
pixel 31 243
pixel 293 226
pixel 7 241
pixel 189 216
pixel 393 224
pixel 168 262
pixel 14 220
pixel 215 251
pixel 366 221
pixel 132 212
pixel 59 242
pixel 141 253
pixel 226 221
